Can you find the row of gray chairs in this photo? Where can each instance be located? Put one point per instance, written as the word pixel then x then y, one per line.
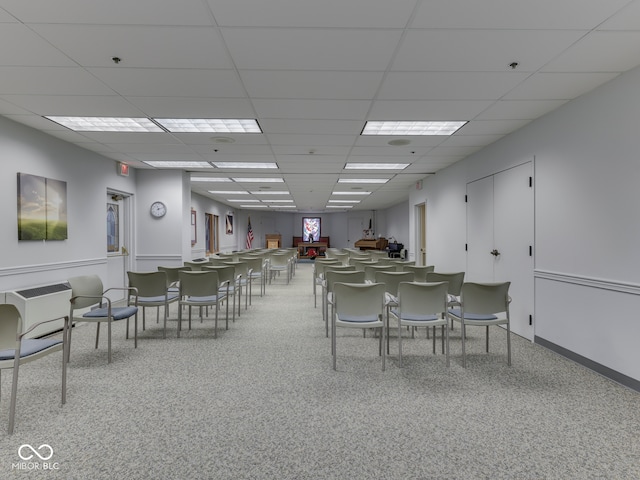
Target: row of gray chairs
pixel 412 304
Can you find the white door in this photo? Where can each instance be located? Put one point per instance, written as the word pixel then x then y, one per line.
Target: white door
pixel 500 236
pixel 117 243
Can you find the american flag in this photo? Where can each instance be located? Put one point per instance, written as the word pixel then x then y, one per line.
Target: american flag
pixel 249 235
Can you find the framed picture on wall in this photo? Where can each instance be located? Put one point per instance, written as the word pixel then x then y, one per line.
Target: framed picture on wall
pixel 311 229
pixel 228 220
pixel 42 208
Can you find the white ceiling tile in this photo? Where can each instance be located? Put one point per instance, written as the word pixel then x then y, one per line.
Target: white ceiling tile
pixel 481 50
pixel 154 82
pixel 593 53
pixel 123 138
pixel 453 110
pixel 448 85
pixel 50 81
pixel 510 14
pixel 492 127
pixel 33 49
pixel 469 140
pixel 558 86
pixel 311 49
pixel 312 109
pixel 149 47
pixel 519 109
pixel 7 107
pixel 193 107
pixel 113 12
pixel 628 18
pixel 319 150
pixel 311 84
pixel 277 139
pixel 77 105
pixel 311 13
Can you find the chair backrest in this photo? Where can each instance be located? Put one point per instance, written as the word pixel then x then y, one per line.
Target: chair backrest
pixel 320 267
pixel 358 300
pixel 226 273
pixel 361 264
pixel 241 268
pixel 416 299
pixel 10 326
pixel 485 298
pixel 280 259
pixel 253 263
pixel 196 265
pixel 199 284
pixel 339 268
pixel 391 279
pixel 149 284
pixel 349 276
pixel 419 271
pixel 370 271
pixel 342 256
pixel 172 273
pixel 89 285
pixel 455 280
pixel 217 260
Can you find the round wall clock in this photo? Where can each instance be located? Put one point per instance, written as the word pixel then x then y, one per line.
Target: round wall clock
pixel 158 209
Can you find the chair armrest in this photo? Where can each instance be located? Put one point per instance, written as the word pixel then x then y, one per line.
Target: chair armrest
pixel 128 289
pixel 35 325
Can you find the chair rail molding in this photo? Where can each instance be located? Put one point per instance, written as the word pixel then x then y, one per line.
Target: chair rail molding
pixel 593 282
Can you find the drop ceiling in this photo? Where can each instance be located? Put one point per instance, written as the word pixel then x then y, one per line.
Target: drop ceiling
pixel 312 73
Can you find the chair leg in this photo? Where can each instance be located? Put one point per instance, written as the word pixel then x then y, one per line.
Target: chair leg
pixel 463 333
pixel 509 343
pixel 399 343
pixel 14 392
pixel 97 333
pixel 109 338
pixel 487 338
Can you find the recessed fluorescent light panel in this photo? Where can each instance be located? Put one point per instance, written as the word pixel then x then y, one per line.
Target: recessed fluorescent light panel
pixel 411 128
pixel 376 166
pixel 211 179
pixel 106 124
pixel 363 180
pixel 351 193
pixel 282 206
pixel 254 206
pixel 344 201
pixel 244 165
pixel 277 201
pixel 245 200
pixel 171 164
pixel 229 192
pixel 339 206
pixel 258 180
pixel 261 192
pixel 209 125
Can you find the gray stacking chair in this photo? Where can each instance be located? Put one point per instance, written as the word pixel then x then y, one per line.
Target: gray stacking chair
pixel 358 305
pixel 151 291
pixel 200 289
pixel 331 277
pixel 422 305
pixel 483 304
pixel 16 350
pixel 227 279
pixel 86 293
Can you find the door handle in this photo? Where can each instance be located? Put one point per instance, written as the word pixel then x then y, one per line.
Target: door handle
pixel 494 252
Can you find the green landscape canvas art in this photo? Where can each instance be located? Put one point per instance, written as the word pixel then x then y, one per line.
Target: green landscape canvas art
pixel 42 208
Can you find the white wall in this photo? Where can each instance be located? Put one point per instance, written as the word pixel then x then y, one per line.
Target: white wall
pixel 587 229
pixel 88 176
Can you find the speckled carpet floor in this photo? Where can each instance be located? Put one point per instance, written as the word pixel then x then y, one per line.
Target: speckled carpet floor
pixel 262 402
